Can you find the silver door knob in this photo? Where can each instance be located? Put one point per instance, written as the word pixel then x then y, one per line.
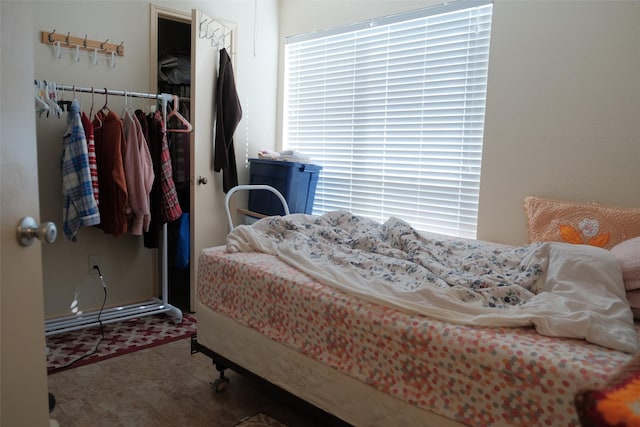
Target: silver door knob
pixel 28 230
pixel 202 180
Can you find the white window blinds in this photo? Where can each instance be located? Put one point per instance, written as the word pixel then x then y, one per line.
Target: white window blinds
pixel 393 109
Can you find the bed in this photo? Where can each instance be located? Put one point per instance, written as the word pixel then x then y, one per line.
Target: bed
pixel 274 307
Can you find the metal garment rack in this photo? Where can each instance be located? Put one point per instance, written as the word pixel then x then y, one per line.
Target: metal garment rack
pixel 146 308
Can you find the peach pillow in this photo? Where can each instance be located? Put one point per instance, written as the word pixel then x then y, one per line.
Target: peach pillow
pixel 580 223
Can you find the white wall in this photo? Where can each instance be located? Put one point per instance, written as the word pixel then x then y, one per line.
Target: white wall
pixel 129 268
pixel 563 109
pixel 563 101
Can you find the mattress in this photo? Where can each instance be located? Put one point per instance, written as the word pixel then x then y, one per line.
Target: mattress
pixel 477 376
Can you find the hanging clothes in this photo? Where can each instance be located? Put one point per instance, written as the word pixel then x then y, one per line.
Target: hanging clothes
pixel 91 149
pixel 183 242
pixel 79 205
pixel 228 115
pixel 179 150
pixel 139 175
pixel 165 206
pixel 110 145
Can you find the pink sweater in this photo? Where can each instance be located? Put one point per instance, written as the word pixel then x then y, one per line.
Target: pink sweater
pixel 139 174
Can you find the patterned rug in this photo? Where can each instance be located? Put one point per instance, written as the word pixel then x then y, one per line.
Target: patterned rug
pixel 260 420
pixel 73 349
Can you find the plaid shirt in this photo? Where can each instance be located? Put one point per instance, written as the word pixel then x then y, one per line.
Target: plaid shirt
pixel 79 204
pixel 170 206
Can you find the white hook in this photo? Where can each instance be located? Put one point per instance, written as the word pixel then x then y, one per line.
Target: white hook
pixel 56 49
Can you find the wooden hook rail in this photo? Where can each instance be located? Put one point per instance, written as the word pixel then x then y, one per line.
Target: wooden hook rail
pixel 83 43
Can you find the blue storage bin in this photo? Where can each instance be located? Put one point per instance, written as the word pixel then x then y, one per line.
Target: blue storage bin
pixel 296 181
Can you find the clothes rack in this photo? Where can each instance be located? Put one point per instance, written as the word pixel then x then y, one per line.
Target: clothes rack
pixel 146 308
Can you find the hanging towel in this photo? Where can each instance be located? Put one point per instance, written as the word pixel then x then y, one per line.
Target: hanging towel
pixel 228 115
pixel 79 205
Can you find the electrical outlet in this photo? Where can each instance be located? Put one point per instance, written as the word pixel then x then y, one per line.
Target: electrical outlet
pixel 93 261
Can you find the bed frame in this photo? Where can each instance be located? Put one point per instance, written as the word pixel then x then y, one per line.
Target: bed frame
pixel 325 393
pixel 222 364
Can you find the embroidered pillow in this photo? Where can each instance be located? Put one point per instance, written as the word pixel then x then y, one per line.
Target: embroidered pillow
pixel 580 223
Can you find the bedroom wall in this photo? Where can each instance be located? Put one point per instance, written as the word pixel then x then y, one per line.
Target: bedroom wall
pixel 130 269
pixel 563 101
pixel 563 109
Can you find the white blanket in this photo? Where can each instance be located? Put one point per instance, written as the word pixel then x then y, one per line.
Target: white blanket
pixel 563 290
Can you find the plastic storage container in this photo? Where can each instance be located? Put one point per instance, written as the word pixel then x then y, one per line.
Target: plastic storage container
pixel 296 181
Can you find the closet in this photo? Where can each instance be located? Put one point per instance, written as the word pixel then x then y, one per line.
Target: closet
pixel 174 76
pixel 195 39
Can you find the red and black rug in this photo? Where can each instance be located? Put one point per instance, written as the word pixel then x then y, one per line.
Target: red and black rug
pixel 70 350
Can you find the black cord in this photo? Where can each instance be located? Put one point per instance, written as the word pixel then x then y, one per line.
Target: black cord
pixel 95 349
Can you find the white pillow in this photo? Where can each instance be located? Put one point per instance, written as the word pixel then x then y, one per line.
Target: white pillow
pixel 628 255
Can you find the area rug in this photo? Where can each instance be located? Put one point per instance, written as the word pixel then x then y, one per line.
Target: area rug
pixel 73 349
pixel 260 420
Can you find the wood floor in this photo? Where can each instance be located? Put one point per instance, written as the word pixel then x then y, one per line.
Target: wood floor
pixel 163 386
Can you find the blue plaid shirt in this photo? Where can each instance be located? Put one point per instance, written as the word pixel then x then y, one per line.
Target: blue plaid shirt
pixel 79 205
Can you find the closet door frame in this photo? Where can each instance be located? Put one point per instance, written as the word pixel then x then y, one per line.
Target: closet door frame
pixel 160 12
pixel 208 224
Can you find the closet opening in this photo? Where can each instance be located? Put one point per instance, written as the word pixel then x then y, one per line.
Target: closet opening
pixel 173 76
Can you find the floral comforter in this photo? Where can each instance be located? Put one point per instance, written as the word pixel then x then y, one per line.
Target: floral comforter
pixel 563 290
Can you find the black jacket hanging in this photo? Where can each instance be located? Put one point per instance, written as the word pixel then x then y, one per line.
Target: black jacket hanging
pixel 228 115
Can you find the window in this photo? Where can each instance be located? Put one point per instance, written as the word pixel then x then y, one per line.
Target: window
pixel 393 109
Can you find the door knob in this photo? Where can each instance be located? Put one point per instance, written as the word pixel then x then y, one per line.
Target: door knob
pixel 202 180
pixel 28 230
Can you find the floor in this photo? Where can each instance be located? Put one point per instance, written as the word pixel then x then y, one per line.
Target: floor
pixel 164 386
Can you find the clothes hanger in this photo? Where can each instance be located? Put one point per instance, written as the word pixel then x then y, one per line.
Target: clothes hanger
pixel 105 108
pixel 97 122
pixel 92 99
pixel 62 103
pixel 176 114
pixel 49 91
pixel 41 105
pixel 126 108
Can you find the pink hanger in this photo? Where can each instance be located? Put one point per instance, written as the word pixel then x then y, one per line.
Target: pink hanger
pixel 174 113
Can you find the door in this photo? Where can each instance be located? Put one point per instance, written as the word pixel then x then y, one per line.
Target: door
pixel 208 218
pixel 208 225
pixel 23 392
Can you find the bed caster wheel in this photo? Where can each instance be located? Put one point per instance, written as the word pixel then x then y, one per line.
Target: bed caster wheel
pixel 220 384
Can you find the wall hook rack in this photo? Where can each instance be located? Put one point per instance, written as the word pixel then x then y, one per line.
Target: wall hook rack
pixel 51 37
